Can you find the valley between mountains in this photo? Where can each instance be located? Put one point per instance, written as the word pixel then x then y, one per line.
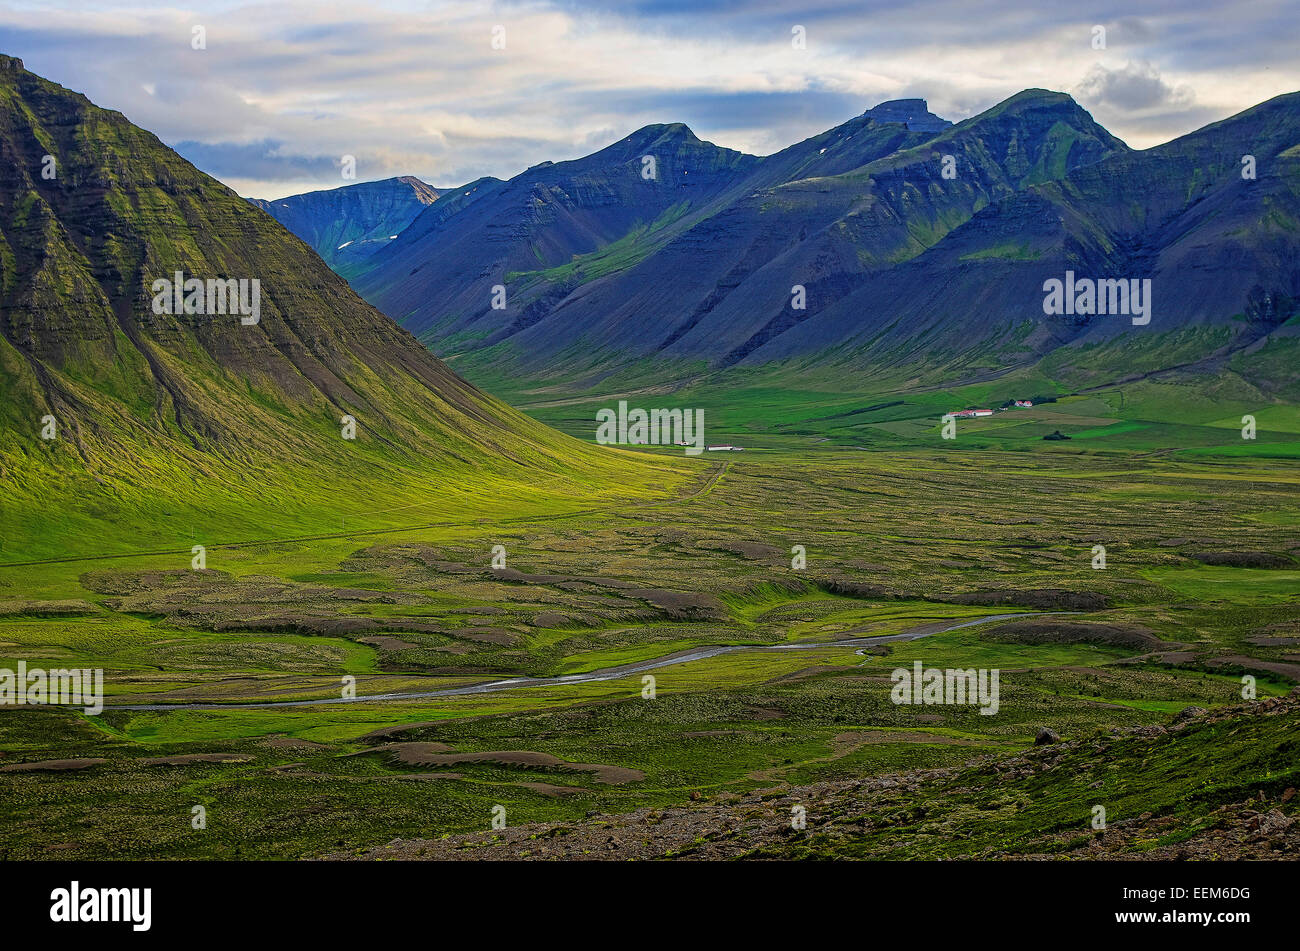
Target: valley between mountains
pixel 207 528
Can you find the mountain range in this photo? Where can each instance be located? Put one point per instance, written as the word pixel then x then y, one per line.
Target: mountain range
pixel 897 241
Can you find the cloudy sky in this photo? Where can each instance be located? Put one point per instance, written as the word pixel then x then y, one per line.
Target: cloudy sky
pixel 285 89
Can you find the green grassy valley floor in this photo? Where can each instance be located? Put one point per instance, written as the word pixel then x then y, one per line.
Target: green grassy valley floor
pixel 1200 587
pixel 1194 410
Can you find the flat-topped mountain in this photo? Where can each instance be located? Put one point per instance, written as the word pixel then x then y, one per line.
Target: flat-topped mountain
pixel 913 113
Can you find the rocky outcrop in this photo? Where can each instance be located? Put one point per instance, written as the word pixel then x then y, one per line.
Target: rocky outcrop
pixel 913 113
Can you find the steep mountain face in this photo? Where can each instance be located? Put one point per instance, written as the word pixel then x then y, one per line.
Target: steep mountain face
pixel 526 235
pixel 607 308
pixel 825 233
pixel 346 225
pixel 438 277
pixel 94 214
pixel 1220 249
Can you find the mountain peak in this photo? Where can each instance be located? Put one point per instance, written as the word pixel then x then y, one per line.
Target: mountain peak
pixel 1041 109
pixel 671 131
pixel 1038 97
pixel 664 139
pixel 913 113
pixel 347 224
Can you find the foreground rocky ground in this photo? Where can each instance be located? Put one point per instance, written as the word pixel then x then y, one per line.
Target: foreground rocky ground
pixel 935 813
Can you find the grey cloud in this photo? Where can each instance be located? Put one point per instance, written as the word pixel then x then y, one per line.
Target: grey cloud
pixel 1132 30
pixel 1136 86
pixel 265 160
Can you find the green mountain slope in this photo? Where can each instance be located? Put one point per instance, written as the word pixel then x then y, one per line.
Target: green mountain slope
pixel 1217 248
pixel 181 425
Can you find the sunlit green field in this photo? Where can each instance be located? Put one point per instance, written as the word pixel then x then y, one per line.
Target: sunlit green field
pixel 809 408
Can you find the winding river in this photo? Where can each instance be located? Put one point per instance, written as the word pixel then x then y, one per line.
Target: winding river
pixel 606 673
